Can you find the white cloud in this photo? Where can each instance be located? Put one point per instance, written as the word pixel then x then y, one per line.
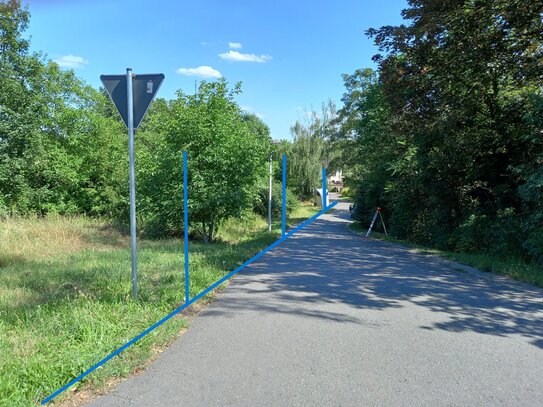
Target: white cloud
pixel 235 45
pixel 71 61
pixel 239 57
pixel 250 110
pixel 202 71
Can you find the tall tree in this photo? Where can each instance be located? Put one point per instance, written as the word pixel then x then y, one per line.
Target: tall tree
pixel 462 81
pixel 311 149
pixel 51 129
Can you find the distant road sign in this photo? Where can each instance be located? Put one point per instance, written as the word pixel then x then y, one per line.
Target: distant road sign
pixel 144 89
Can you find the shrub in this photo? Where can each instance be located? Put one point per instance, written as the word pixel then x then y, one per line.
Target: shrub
pixel 261 202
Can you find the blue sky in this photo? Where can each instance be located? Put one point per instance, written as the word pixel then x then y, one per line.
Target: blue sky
pixel 289 54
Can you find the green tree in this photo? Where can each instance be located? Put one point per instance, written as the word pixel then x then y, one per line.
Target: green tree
pixel 57 151
pixel 226 160
pixel 311 149
pixel 257 127
pixel 370 149
pixel 462 82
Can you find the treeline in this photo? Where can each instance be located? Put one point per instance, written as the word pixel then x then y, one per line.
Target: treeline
pixel 60 148
pixel 63 148
pixel 447 136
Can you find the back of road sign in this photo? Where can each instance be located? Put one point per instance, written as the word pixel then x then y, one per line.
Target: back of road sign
pixel 144 88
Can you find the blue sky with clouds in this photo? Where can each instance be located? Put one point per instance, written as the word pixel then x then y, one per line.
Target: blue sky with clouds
pixel 289 54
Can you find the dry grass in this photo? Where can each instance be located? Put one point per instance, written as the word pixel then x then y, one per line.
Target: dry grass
pixel 65 299
pixel 32 239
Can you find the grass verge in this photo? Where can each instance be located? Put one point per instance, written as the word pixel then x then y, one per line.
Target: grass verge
pixel 514 268
pixel 65 298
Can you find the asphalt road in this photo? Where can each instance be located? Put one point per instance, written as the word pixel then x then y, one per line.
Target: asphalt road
pixel 331 319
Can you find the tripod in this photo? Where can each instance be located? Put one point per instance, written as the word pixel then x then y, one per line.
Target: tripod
pixel 377 213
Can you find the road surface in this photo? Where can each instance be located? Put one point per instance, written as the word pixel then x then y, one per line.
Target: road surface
pixel 331 319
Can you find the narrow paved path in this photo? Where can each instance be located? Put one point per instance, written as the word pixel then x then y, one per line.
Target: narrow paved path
pixel 331 319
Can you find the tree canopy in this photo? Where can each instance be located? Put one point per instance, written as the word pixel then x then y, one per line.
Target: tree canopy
pixel 448 137
pixel 63 148
pixel 226 159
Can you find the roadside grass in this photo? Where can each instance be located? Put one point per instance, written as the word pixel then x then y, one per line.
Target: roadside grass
pixel 65 298
pixel 302 212
pixel 512 267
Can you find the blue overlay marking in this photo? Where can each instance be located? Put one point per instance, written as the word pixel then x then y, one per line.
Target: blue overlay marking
pixel 186 304
pixel 284 198
pixel 186 225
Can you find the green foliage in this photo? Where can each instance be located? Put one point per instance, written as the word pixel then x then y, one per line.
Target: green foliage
pixel 447 139
pixel 257 127
pixel 261 203
pixel 65 298
pixel 63 147
pixel 347 192
pixel 226 161
pixel 310 151
pixel 58 153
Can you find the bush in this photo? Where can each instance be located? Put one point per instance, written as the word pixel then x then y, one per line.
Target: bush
pixel 261 203
pixel 534 244
pixel 225 162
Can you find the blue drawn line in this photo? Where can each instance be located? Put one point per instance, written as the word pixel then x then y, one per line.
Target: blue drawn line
pixel 284 197
pixel 185 305
pixel 186 225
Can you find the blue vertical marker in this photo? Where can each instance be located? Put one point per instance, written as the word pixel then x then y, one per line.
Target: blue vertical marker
pixel 186 225
pixel 323 187
pixel 284 198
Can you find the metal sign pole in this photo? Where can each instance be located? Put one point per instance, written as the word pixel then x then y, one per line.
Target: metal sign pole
pixel 132 103
pixel 270 197
pixel 130 125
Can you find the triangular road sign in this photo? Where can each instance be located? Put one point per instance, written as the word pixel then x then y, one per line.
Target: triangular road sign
pixel 144 89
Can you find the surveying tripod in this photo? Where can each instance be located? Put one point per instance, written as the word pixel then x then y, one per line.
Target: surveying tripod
pixel 377 213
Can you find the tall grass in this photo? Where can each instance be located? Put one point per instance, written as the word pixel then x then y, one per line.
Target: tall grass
pixel 65 298
pixel 30 239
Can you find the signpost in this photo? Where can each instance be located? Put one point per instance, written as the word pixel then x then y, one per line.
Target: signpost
pixel 132 94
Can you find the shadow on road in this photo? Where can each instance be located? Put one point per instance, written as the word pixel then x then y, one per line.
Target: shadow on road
pixel 326 263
